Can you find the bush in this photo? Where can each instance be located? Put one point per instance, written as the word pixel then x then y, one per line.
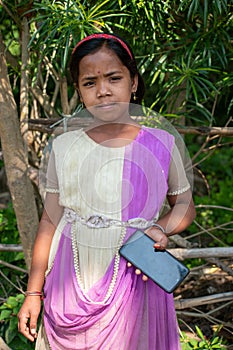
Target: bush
pixel 9 324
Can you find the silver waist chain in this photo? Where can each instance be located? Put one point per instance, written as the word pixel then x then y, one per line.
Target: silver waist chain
pixel 101 221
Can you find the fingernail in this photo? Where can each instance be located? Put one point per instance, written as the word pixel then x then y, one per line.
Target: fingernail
pixel 33 331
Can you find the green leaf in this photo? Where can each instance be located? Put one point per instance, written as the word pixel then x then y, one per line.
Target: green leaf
pixel 205 14
pixel 3 307
pixel 5 315
pixel 194 90
pixel 193 343
pixel 14 324
pixel 199 333
pixel 10 335
pixel 202 344
pixel 20 298
pixel 193 8
pixel 22 339
pixel 12 301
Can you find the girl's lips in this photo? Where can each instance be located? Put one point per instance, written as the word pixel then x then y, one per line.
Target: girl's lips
pixel 106 105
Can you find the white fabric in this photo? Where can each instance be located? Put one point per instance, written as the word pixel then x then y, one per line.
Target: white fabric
pixel 79 152
pixel 177 180
pixel 100 162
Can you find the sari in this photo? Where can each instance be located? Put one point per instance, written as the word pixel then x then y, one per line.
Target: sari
pixel 117 310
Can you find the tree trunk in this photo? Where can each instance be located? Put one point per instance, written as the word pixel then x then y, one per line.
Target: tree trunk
pixel 16 163
pixel 64 96
pixel 24 108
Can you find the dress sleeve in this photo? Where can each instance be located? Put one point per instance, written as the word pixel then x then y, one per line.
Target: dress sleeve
pixel 177 179
pixel 51 176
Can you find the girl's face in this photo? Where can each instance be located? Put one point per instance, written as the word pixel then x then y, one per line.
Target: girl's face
pixel 105 86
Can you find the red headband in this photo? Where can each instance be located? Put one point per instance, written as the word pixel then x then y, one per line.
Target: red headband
pixel 104 36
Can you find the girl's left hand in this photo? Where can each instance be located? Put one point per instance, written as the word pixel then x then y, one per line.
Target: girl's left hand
pixel 160 238
pixel 161 241
pixel 138 272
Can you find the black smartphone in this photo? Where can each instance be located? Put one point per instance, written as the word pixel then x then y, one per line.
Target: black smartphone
pixel 159 265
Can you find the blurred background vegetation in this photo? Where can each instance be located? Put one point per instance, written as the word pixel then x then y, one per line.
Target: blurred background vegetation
pixel 184 52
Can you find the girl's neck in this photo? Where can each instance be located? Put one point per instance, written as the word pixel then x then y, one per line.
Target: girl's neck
pixel 114 134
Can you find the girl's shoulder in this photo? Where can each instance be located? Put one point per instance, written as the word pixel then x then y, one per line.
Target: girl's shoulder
pixel 67 137
pixel 63 142
pixel 158 133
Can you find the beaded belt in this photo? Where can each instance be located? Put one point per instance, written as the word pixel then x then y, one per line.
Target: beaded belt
pixel 100 221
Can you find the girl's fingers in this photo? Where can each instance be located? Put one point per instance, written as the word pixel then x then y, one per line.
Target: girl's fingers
pixel 138 272
pixel 157 246
pixel 160 246
pixel 144 278
pixel 24 328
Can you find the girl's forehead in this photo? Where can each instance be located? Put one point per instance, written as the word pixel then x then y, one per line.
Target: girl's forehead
pixel 103 52
pixel 100 60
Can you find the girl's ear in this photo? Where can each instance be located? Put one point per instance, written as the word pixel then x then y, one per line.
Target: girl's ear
pixel 135 83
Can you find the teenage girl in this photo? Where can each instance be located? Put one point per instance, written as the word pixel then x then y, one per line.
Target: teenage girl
pixel 102 183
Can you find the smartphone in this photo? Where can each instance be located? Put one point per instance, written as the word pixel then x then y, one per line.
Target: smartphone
pixel 159 265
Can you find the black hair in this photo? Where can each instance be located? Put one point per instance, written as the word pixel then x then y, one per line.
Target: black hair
pixel 95 44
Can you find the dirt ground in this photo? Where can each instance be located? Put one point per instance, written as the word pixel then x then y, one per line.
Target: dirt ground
pixel 210 281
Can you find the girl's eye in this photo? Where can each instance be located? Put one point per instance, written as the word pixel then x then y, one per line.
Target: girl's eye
pixel 115 78
pixel 88 83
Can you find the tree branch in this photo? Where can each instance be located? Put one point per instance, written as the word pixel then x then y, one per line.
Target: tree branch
pixel 15 19
pixel 13 267
pixel 209 299
pixel 79 122
pixel 203 253
pixel 44 102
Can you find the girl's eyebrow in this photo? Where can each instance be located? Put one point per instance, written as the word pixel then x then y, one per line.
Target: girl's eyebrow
pixel 88 77
pixel 112 73
pixel 93 77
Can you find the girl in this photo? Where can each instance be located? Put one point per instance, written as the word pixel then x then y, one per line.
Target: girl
pixel 103 183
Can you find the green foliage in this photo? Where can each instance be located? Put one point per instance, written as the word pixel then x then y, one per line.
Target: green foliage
pixel 215 208
pixel 188 62
pixel 9 323
pixel 9 234
pixel 184 49
pixel 215 342
pixel 9 311
pixel 216 217
pixel 11 37
pixel 213 197
pixel 11 282
pixel 11 279
pixel 61 24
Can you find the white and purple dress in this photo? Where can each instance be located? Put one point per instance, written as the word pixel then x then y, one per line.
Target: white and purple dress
pixel 92 299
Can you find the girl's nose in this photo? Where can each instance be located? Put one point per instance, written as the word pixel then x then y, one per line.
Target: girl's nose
pixel 103 89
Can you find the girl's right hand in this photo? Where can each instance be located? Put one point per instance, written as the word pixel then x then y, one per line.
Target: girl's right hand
pixel 28 316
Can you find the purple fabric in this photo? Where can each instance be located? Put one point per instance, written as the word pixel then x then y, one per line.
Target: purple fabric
pixel 138 315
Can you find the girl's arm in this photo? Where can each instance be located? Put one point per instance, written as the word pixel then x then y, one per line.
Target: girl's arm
pixel 176 220
pixel 182 210
pixel 30 309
